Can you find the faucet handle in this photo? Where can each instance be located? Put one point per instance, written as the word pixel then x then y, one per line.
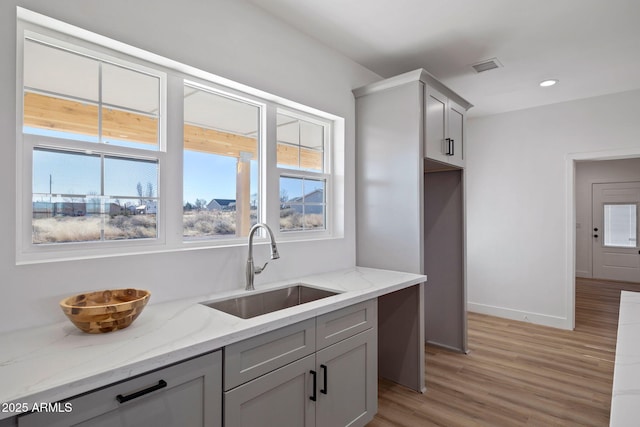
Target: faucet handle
pixel 259 270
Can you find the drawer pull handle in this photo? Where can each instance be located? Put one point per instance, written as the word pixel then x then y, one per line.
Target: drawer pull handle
pixel 121 398
pixel 323 390
pixel 313 396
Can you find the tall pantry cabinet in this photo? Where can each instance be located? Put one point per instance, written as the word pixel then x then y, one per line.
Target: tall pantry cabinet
pixel 410 153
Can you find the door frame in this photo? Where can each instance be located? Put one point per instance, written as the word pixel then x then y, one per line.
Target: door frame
pixel 570 219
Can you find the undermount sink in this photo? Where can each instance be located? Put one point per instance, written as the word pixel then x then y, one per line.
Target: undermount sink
pixel 256 304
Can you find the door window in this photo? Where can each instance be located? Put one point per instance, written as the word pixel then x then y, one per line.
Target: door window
pixel 620 225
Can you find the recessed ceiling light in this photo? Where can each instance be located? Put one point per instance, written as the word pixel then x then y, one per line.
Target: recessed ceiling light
pixel 547 83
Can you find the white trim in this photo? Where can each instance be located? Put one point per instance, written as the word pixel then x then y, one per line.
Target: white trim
pixel 570 218
pixel 327 175
pixel 390 83
pixel 173 74
pixel 520 315
pixel 416 75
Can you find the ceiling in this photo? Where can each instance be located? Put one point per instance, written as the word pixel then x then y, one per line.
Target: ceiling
pixel 591 46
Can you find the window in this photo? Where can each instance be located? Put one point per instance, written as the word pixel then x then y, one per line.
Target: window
pixel 220 184
pixel 92 131
pixel 620 225
pixel 303 171
pixel 98 172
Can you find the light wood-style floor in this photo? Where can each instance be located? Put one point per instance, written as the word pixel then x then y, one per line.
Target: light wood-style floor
pixel 519 374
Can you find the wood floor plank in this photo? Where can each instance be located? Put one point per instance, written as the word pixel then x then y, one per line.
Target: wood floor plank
pixel 517 373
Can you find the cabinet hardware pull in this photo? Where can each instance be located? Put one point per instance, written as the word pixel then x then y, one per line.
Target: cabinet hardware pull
pixel 323 390
pixel 313 396
pixel 453 146
pixel 448 152
pixel 161 384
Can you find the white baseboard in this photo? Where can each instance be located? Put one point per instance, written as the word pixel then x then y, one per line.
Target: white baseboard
pixel 524 316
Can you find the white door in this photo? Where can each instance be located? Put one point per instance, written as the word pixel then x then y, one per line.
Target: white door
pixel 616 255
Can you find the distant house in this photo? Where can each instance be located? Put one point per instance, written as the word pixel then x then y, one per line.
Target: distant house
pixel 149 207
pixel 316 197
pixel 221 205
pixel 49 209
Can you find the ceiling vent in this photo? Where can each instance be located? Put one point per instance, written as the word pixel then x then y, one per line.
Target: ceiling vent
pixel 487 65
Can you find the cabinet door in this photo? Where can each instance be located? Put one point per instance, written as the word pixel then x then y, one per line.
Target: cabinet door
pixel 436 144
pixel 187 394
pixel 456 134
pixel 280 398
pixel 348 381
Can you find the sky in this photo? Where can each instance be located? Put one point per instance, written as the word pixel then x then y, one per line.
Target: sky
pixel 206 176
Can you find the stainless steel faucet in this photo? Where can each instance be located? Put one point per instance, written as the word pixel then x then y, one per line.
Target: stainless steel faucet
pixel 252 270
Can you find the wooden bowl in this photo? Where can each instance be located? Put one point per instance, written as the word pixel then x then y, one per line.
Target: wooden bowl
pixel 105 311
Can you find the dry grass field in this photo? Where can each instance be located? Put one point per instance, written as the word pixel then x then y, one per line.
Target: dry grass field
pixel 196 224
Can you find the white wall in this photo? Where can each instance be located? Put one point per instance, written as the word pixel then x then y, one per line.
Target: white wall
pixel 229 38
pixel 587 174
pixel 519 178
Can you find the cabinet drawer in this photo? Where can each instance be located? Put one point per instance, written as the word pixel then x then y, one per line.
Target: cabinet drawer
pixel 248 359
pixel 344 323
pixel 185 394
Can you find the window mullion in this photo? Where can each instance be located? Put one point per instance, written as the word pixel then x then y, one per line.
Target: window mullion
pixel 100 102
pixel 271 176
pixel 170 189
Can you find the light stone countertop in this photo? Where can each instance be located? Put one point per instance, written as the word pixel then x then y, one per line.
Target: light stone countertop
pixel 58 361
pixel 625 399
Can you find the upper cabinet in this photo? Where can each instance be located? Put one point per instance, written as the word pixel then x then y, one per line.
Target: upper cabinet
pixel 444 128
pixel 442 120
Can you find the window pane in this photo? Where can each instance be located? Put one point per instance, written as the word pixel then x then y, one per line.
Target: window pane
pixel 220 165
pixel 620 225
pixel 127 129
pixel 60 93
pixel 131 178
pixel 302 204
pixel 128 219
pixel 60 118
pixel 122 87
pixel 60 172
pixel 61 72
pixel 300 144
pixel 59 219
pixel 133 101
pixel 68 205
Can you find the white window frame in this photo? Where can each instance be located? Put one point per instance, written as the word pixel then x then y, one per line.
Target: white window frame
pixel 170 153
pixel 211 87
pixel 26 143
pixel 326 175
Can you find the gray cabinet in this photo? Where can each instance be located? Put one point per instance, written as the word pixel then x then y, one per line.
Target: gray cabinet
pixel 444 128
pixel 279 398
pixel 347 381
pixel 185 394
pixel 248 359
pixel 333 382
pixel 409 128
